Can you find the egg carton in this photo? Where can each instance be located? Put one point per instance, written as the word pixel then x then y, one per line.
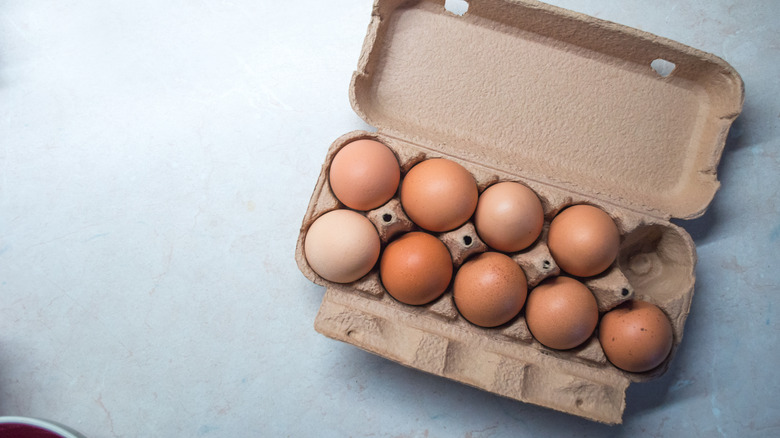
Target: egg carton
pixel 576 109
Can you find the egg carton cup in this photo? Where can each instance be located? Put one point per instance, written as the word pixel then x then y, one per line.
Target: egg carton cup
pixel 516 91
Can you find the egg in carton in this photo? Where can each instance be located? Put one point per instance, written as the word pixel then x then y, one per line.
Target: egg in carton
pixel 573 108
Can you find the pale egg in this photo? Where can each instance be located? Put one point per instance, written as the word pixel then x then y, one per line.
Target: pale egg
pixel 509 216
pixel 341 246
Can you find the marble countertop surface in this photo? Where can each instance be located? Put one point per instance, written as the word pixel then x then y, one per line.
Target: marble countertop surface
pixel 156 160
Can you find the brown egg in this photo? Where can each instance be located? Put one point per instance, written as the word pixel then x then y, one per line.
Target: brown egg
pixel 490 289
pixel 561 313
pixel 364 174
pixel 509 216
pixel 636 336
pixel 439 195
pixel 416 268
pixel 583 240
pixel 341 246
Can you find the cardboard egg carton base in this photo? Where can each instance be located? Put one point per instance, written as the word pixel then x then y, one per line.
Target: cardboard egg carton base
pixel 569 106
pixel 655 264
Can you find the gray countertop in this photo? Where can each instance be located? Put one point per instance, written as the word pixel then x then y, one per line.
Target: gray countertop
pixel 156 160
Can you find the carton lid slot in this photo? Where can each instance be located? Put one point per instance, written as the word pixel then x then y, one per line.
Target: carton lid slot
pixel 663 67
pixel 457 7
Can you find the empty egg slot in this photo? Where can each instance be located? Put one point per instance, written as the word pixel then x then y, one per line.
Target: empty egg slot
pixel 658 262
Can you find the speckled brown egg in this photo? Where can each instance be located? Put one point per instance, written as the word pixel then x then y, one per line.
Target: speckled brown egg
pixel 636 336
pixel 364 174
pixel 583 240
pixel 439 194
pixel 509 216
pixel 416 268
pixel 341 246
pixel 561 313
pixel 490 289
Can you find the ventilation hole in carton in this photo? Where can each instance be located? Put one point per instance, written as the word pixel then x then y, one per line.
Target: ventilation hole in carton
pixel 546 264
pixel 387 217
pixel 663 67
pixel 578 402
pixel 467 240
pixel 624 292
pixel 457 7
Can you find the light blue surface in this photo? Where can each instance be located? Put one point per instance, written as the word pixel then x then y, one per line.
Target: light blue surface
pixel 156 160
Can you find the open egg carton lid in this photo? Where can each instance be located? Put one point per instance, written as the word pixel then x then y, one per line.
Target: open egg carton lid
pixel 553 96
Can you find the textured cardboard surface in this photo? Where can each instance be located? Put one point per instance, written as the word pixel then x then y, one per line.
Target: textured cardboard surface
pixel 570 106
pixel 552 96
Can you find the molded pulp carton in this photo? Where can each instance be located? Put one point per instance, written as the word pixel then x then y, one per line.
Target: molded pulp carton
pixel 575 108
